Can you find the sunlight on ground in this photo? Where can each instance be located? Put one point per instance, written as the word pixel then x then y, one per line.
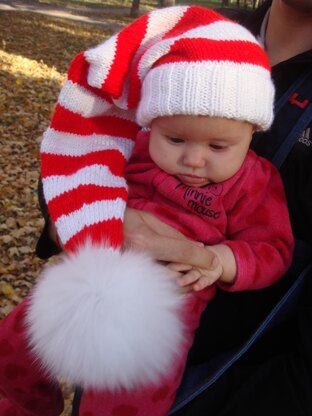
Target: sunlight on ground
pixel 20 66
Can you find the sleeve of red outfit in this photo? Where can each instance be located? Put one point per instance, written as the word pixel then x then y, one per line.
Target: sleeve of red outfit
pixel 259 230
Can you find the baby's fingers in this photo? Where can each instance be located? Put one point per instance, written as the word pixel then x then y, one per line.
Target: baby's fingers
pixel 189 278
pixel 208 279
pixel 203 282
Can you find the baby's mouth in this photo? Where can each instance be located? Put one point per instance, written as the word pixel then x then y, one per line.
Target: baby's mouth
pixel 192 179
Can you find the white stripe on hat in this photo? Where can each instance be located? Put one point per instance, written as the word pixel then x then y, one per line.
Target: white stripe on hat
pixel 79 100
pixel 101 57
pixel 70 144
pixel 220 30
pixel 161 21
pixel 87 215
pixel 100 175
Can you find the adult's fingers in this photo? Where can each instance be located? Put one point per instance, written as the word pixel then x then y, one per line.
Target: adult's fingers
pixel 182 251
pixel 179 267
pixel 144 232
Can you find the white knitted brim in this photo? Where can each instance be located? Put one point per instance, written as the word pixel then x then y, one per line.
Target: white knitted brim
pixel 236 91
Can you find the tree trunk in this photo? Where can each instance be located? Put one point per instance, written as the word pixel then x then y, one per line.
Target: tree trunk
pixel 134 12
pixel 166 3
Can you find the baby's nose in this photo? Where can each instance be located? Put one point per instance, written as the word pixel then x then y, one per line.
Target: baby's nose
pixel 194 158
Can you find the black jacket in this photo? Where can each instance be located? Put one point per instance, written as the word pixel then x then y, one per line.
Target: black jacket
pixel 296 171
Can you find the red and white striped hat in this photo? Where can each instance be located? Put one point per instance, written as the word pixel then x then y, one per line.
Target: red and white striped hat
pixel 179 60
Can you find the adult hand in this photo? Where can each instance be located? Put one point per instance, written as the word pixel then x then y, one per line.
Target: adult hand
pixel 145 232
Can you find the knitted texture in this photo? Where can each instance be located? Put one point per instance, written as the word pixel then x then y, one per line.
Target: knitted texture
pixel 179 60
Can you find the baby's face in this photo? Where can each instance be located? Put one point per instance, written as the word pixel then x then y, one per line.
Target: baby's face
pixel 199 150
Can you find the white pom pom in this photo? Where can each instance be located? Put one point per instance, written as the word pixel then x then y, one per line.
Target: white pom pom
pixel 107 320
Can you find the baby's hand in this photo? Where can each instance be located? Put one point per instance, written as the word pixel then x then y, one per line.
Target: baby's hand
pixel 197 278
pixel 175 274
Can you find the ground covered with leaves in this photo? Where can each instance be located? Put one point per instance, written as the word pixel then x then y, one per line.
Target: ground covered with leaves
pixel 35 52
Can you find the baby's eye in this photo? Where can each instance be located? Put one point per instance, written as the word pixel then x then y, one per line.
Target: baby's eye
pixel 216 146
pixel 175 140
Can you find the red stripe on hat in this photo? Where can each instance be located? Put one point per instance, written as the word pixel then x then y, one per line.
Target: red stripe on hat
pixel 105 233
pixel 74 199
pixel 198 50
pixel 78 73
pixel 194 17
pixel 134 94
pixel 128 42
pixel 66 121
pixel 66 165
